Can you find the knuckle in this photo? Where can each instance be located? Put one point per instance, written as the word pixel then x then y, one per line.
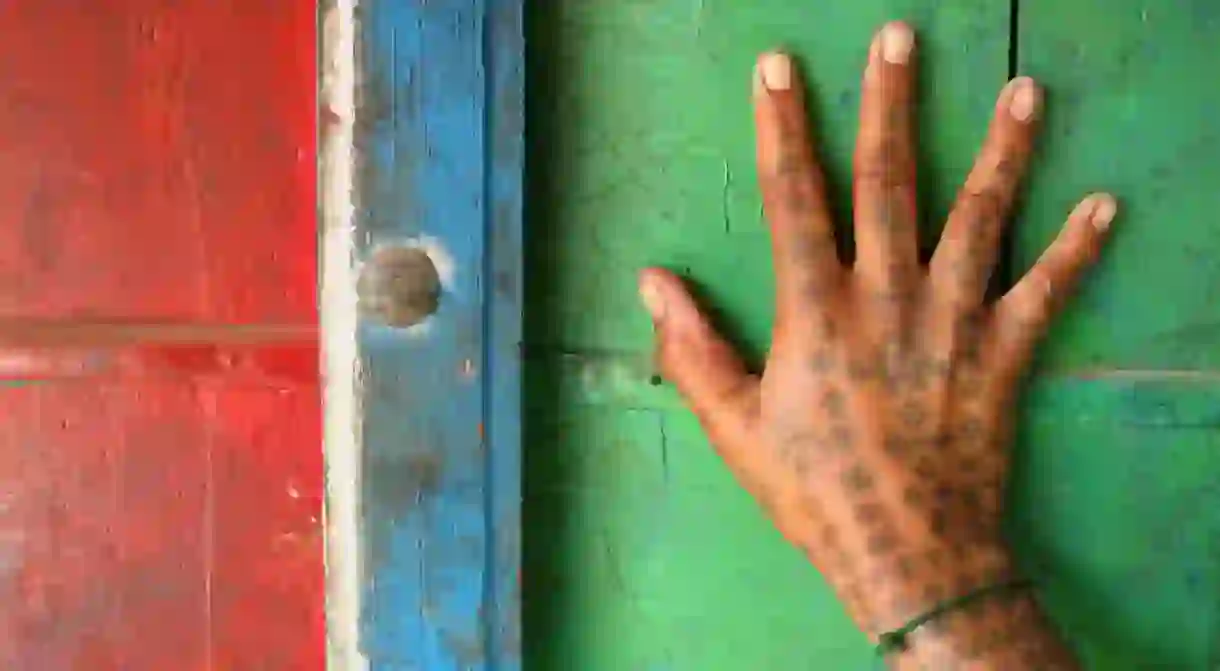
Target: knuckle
pixel 1029 308
pixel 980 205
pixel 791 194
pixel 1008 167
pixel 792 162
pixel 879 177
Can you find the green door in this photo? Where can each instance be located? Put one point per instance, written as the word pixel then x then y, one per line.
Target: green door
pixel 641 552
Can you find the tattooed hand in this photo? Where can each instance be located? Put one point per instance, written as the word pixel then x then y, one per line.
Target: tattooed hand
pixel 876 438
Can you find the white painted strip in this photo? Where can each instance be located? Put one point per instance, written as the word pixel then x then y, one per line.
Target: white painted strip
pixel 340 356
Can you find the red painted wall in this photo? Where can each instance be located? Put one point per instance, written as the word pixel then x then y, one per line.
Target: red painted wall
pixel 160 446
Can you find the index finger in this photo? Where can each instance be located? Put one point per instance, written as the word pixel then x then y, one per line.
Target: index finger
pixel 793 192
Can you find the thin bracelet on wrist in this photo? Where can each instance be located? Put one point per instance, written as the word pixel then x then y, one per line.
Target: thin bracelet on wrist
pixel 897 640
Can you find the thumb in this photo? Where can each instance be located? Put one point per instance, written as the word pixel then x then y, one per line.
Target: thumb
pixel 706 370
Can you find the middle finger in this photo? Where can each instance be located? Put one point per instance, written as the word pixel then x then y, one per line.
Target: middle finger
pixel 886 236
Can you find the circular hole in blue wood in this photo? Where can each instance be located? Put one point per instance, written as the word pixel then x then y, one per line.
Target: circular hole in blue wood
pixel 399 286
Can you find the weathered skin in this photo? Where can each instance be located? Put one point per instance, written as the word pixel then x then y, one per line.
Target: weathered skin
pixel 877 436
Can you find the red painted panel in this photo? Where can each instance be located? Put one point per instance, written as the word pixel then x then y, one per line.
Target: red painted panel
pixel 160 425
pixel 158 159
pixel 160 525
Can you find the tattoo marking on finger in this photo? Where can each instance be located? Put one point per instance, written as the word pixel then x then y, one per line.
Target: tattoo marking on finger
pixel 868 512
pixel 834 403
pixel 857 479
pixel 841 438
pixel 821 362
pixel 913 414
pixel 881 543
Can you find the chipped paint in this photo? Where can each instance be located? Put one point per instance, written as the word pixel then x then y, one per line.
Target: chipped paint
pixel 439 127
pixel 158 343
pixel 340 355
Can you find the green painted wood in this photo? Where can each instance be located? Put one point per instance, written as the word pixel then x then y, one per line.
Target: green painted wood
pixel 641 553
pixel 1117 494
pixel 1116 504
pixel 1132 108
pixel 641 144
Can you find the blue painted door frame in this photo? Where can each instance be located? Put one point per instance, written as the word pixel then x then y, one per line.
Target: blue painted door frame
pixel 438 145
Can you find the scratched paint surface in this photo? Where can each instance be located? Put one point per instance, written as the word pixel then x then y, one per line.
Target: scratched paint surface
pixel 1118 502
pixel 641 551
pixel 160 462
pixel 440 131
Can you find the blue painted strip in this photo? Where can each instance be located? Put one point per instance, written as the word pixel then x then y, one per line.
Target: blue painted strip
pixel 440 132
pixel 504 46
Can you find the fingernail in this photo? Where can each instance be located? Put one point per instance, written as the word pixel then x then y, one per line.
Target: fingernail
pixel 1104 210
pixel 897 39
pixel 774 72
pixel 1022 97
pixel 650 295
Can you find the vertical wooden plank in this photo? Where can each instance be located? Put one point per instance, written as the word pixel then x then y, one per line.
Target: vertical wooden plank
pixel 647 555
pixel 1127 112
pixel 421 303
pixel 159 162
pixel 504 288
pixel 160 470
pixel 1116 498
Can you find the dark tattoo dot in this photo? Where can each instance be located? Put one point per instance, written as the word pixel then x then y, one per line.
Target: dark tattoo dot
pixel 977 529
pixel 808 247
pixel 921 371
pixel 821 362
pixel 827 327
pixel 881 543
pixel 961 550
pixel 963 583
pixel 939 522
pixel 1000 639
pixel 868 512
pixel 968 381
pixel 857 479
pixel 934 558
pixel 817 287
pixel 913 414
pixel 992 496
pixel 970 430
pixel 1008 169
pixel 970 335
pixel 840 437
pixel 834 403
pixel 913 496
pixel 943 494
pixel 906 568
pixel 894 446
pixel 862 370
pixel 830 536
pixel 799 459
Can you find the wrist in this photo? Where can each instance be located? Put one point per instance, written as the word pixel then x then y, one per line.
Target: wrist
pixel 886 592
pixel 1006 630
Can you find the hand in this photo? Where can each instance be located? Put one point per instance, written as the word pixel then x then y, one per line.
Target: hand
pixel 876 437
